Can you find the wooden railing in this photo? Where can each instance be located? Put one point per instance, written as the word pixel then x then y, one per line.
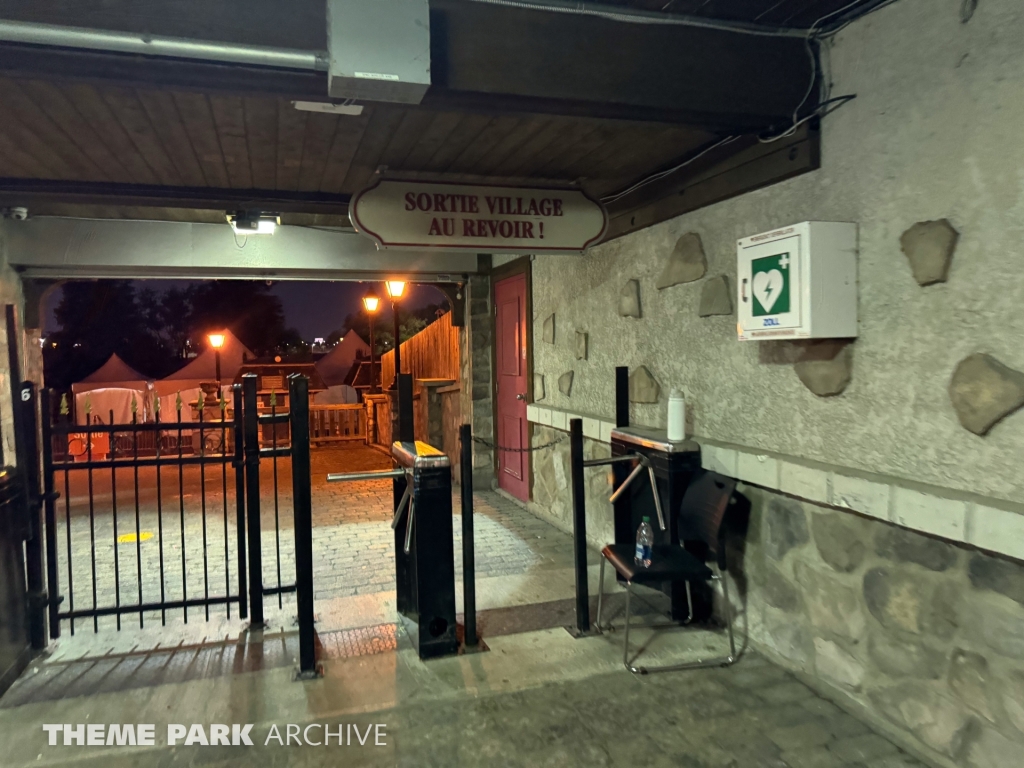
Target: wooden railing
pixel 433 353
pixel 334 423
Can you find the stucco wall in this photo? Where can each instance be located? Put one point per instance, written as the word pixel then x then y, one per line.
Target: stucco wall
pixel 933 133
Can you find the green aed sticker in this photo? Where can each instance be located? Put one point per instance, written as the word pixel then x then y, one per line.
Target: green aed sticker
pixel 770 284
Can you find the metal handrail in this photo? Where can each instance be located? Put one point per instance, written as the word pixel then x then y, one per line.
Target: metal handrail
pixel 642 462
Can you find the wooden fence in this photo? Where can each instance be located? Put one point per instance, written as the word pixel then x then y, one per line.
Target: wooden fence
pixel 433 353
pixel 335 423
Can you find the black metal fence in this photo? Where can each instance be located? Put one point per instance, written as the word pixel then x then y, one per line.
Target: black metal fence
pixel 147 519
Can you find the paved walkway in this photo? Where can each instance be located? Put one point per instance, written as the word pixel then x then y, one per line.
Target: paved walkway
pixel 537 697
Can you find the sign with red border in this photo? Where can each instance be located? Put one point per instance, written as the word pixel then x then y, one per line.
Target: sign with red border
pixel 421 214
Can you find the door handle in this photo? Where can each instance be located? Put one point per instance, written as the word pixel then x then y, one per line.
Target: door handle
pixel 521 397
pixel 743 290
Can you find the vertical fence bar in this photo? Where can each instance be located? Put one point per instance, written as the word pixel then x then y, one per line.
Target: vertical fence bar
pixel 113 506
pixel 92 521
pixel 202 503
pixel 223 405
pixel 277 502
pixel 298 407
pixel 251 436
pixel 406 425
pixel 243 582
pixel 138 522
pixel 160 515
pixel 468 550
pixel 181 511
pixel 579 525
pixel 50 513
pixel 34 543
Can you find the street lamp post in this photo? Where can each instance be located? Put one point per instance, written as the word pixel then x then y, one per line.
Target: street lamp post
pixel 395 290
pixel 371 302
pixel 217 341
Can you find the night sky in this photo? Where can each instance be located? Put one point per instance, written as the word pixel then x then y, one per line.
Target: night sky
pixel 315 308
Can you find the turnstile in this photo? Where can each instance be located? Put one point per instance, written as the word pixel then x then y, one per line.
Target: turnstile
pixel 424 546
pixel 672 465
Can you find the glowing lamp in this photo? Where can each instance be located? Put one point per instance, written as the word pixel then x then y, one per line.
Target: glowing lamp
pixel 217 340
pixel 395 288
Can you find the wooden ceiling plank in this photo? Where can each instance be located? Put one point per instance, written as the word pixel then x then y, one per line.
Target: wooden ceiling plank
pixel 496 132
pixel 316 143
pixel 16 154
pixel 578 133
pixel 347 136
pixel 261 140
pixel 291 127
pixel 98 114
pixel 32 146
pixel 414 125
pixel 523 159
pixel 19 108
pixel 63 112
pixel 166 121
pixel 383 123
pixel 229 119
pixel 528 128
pixel 197 118
pixel 563 165
pixel 441 128
pixel 128 110
pixel 464 134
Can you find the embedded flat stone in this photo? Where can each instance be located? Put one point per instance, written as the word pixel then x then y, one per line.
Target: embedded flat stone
pixel 929 246
pixel 581 345
pixel 984 391
pixel 786 527
pixel 565 383
pixel 686 263
pixel 715 297
pixel 538 387
pixel 823 374
pixel 997 574
pixel 903 545
pixel 840 538
pixel 549 329
pixel 899 658
pixel 643 388
pixel 629 299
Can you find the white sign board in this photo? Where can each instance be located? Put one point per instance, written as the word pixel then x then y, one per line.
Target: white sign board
pixel 417 214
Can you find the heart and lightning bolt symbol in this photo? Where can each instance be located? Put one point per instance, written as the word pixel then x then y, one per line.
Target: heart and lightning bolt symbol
pixel 767 286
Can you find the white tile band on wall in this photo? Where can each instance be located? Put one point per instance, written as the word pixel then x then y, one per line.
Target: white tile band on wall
pixel 992 524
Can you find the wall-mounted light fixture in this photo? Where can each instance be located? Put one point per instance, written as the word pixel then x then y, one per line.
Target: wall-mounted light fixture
pixel 253 222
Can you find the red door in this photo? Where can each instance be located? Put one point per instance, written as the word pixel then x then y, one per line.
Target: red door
pixel 510 341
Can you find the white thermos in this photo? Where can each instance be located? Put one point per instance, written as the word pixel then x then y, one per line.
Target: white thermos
pixel 676 416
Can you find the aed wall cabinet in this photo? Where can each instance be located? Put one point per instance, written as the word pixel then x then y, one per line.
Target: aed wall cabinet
pixel 798 282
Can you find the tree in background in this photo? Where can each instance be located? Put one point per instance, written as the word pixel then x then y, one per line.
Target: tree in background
pixel 151 331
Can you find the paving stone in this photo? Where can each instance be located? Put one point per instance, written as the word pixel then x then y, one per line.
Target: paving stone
pixel 812 734
pixel 862 749
pixel 818 757
pixel 784 693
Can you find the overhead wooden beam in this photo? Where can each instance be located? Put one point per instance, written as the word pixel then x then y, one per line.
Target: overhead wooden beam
pixel 732 170
pixel 26 192
pixel 534 60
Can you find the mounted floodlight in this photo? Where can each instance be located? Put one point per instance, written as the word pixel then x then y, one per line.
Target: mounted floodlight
pixel 329 108
pixel 216 340
pixel 253 222
pixel 395 288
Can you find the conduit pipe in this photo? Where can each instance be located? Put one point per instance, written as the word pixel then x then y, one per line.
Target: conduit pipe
pixel 56 36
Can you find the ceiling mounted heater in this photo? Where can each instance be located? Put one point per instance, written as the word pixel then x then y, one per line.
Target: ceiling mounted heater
pixel 379 51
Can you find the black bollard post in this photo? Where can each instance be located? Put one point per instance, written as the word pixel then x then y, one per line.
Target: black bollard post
pixel 468 553
pixel 251 431
pixel 579 525
pixel 406 426
pixel 298 407
pixel 622 396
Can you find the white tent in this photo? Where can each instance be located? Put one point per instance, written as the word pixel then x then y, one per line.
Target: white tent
pixel 113 374
pixel 204 370
pixel 334 366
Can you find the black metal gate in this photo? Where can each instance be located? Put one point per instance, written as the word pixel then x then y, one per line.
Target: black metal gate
pixel 163 516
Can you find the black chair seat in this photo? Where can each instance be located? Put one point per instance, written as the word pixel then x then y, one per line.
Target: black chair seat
pixel 668 563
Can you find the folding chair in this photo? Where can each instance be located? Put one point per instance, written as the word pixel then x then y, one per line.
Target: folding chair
pixel 701 515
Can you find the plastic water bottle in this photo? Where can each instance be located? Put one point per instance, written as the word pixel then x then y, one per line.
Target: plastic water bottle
pixel 644 543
